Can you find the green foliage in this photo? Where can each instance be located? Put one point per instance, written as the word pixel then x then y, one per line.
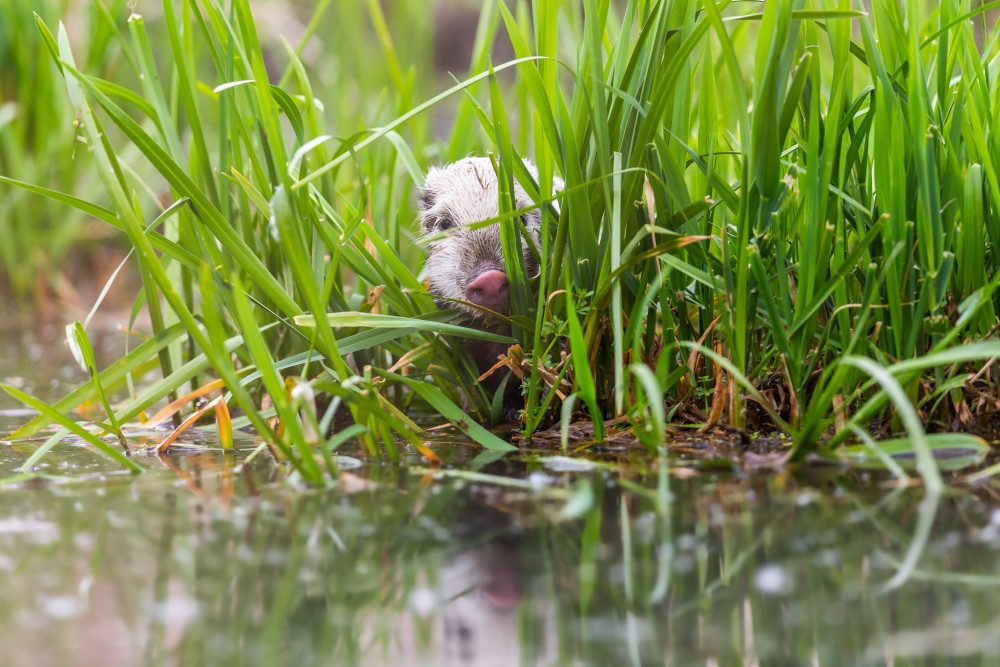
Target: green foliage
pixel 802 197
pixel 38 141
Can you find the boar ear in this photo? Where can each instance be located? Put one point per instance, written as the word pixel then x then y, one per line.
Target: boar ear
pixel 558 184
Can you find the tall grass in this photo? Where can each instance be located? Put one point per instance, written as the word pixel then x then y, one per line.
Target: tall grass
pixel 778 215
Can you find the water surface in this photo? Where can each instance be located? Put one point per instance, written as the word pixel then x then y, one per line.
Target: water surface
pixel 207 560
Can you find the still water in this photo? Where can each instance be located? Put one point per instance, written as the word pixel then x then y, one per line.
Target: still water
pixel 207 560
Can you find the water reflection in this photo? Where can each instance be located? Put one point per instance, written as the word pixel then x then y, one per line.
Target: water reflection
pixel 202 563
pixel 207 560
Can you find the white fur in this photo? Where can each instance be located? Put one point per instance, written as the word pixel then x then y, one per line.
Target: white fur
pixel 456 196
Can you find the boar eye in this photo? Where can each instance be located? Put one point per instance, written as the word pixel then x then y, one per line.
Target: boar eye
pixel 445 223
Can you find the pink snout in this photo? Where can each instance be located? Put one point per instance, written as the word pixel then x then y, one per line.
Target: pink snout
pixel 489 290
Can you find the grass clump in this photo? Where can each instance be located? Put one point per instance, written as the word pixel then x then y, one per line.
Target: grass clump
pixel 776 215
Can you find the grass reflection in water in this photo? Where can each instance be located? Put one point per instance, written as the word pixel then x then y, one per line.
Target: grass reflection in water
pixel 206 562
